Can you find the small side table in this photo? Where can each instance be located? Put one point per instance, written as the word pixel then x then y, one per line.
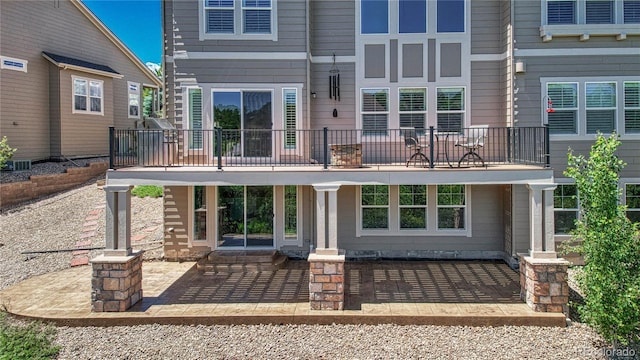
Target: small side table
pixel 442 146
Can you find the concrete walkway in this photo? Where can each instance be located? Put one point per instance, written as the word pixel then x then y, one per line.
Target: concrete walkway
pixel 411 292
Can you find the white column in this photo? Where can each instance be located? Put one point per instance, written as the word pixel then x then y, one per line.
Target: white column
pixel 327 221
pixel 541 220
pixel 118 220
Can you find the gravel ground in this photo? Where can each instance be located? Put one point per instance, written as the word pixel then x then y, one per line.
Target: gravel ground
pixel 46 168
pixel 57 221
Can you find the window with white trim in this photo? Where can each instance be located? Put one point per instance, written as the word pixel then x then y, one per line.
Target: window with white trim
pixel 632 106
pixel 133 92
pixel 87 96
pixel 450 109
pixel 195 118
pixel 632 198
pixel 631 11
pixel 290 212
pixel 564 100
pixel 199 213
pixel 567 12
pixel 375 111
pixel 412 206
pixel 412 107
pixel 565 208
pixel 601 107
pixel 375 207
pixel 250 19
pixel 410 16
pixel 451 207
pixel 290 114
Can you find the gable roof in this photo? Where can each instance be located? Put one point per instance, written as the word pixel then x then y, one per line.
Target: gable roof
pixel 117 42
pixel 77 64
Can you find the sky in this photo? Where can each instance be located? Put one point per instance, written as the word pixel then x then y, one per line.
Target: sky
pixel 135 22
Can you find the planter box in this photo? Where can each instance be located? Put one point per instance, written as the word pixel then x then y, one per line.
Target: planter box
pixel 346 155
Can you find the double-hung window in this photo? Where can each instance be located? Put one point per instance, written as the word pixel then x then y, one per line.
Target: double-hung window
pixel 565 204
pixel 375 207
pixel 564 100
pixel 566 12
pixel 87 96
pixel 632 196
pixel 413 206
pixel 560 12
pixel 375 111
pixel 413 107
pixel 599 12
pixel 450 109
pixel 133 92
pixel 631 11
pixel 600 107
pixel 451 207
pixel 632 107
pixel 238 19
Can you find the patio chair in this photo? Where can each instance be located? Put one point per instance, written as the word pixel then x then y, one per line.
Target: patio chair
pixel 473 139
pixel 412 142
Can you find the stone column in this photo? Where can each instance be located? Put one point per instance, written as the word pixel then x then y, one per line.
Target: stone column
pixel 326 264
pixel 541 221
pixel 116 282
pixel 543 284
pixel 326 282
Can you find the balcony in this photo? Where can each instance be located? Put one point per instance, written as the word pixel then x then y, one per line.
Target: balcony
pixel 330 149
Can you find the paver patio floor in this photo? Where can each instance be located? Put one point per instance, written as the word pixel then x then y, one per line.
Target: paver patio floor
pixel 402 292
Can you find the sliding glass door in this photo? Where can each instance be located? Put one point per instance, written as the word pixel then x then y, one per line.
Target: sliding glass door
pixel 245 216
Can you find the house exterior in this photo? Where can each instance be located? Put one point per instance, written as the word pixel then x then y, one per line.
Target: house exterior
pixel 65 81
pixel 297 123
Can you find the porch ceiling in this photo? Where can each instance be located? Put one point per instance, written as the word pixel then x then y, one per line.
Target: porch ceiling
pixel 272 175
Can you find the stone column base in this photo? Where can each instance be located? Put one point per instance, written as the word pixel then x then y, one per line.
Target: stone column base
pixel 543 284
pixel 326 281
pixel 116 283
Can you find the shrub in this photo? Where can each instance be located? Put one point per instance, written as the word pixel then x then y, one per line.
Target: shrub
pixel 610 245
pixel 33 340
pixel 143 191
pixel 6 152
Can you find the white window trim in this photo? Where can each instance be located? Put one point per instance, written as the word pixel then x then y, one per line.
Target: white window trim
pixel 238 24
pixel 614 108
pixel 425 206
pixel 73 96
pixel 298 115
pixel 426 105
pixel 394 216
pixel 581 114
pixel 210 198
pixel 280 212
pixel 623 101
pixel 23 63
pixel 583 30
pixel 465 100
pixel 186 121
pixel 388 112
pixel 623 187
pixel 129 92
pixel 565 181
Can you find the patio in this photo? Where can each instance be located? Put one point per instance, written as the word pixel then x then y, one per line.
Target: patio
pixel 401 292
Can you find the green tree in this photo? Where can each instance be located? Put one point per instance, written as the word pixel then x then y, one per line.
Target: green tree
pixel 610 245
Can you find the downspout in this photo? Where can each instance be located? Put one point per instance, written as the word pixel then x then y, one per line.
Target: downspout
pixel 307 122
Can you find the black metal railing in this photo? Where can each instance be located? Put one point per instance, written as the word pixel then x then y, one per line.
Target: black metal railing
pixel 330 148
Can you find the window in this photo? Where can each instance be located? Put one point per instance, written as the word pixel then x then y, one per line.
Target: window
pixel 601 107
pixel 374 16
pixel 451 206
pixel 413 206
pixel 450 15
pixel 632 196
pixel 290 113
pixel 413 107
pixel 199 213
pixel 195 118
pixel 631 11
pixel 450 109
pixel 564 98
pixel 13 64
pixel 632 107
pixel 599 12
pixel 412 16
pixel 375 111
pixel 290 212
pixel 133 90
pixel 561 12
pixel 565 204
pixel 87 96
pixel 237 19
pixel 375 207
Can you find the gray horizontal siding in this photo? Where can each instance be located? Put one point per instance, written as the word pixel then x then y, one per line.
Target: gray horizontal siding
pixel 291 30
pixel 242 71
pixel 485 27
pixel 322 107
pixel 24 98
pixel 333 27
pixel 628 151
pixel 487 97
pixel 486 224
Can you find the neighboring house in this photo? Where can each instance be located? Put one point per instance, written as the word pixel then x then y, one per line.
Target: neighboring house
pixel 65 78
pixel 295 120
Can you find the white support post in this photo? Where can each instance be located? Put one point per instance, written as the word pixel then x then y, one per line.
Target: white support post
pixel 321 222
pixel 327 221
pixel 541 221
pixel 118 221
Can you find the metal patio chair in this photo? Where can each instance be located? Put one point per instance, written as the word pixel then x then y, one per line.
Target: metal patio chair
pixel 412 142
pixel 472 141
